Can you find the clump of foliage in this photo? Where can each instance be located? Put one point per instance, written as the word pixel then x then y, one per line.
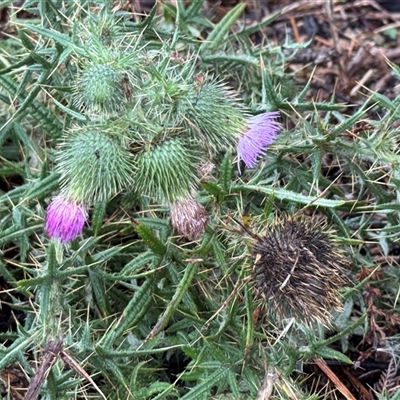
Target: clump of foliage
pixel 126 125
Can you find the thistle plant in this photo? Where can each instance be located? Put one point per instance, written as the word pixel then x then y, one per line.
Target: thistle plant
pixel 214 114
pixel 131 125
pixel 162 131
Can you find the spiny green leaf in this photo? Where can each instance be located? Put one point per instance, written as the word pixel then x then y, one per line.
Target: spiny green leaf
pixel 150 239
pixel 133 312
pixel 330 354
pixel 204 388
pixel 48 121
pixel 100 296
pixel 187 298
pixel 180 291
pixel 218 34
pixel 99 211
pixel 58 37
pixel 289 195
pixel 225 175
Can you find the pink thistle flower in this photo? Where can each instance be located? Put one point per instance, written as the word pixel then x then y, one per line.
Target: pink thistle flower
pixel 189 217
pixel 261 132
pixel 65 218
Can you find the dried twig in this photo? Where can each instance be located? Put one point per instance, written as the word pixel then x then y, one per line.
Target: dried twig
pixel 265 391
pixel 333 377
pixel 51 354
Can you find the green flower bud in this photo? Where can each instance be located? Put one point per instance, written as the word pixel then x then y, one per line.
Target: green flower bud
pixel 103 89
pixel 102 27
pixel 216 112
pixel 94 166
pixel 167 170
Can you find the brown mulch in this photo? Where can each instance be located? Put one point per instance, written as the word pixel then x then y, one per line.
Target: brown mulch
pixel 351 45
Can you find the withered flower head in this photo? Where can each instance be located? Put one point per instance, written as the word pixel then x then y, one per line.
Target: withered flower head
pixel 189 217
pixel 299 270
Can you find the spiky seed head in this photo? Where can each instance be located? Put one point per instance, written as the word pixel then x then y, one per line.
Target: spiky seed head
pixel 261 132
pixel 299 270
pixel 214 113
pixel 189 217
pixel 101 89
pixel 65 218
pixel 94 166
pixel 167 170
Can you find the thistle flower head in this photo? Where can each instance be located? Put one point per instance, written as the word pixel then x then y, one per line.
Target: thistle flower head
pixel 65 218
pixel 189 217
pixel 261 132
pixel 299 270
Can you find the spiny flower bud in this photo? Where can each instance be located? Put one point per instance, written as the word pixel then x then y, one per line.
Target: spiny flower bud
pixel 189 217
pixel 261 132
pixel 215 112
pixel 299 270
pixel 166 171
pixel 102 88
pixel 94 166
pixel 65 218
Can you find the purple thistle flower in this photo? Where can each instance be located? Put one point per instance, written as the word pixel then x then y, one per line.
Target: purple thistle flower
pixel 189 217
pixel 65 218
pixel 261 132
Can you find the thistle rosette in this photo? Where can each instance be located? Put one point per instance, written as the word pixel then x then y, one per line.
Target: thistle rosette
pixel 189 217
pixel 261 132
pixel 167 170
pixel 65 218
pixel 94 165
pixel 299 270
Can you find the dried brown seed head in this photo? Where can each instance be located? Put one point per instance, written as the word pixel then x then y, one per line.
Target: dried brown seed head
pixel 299 270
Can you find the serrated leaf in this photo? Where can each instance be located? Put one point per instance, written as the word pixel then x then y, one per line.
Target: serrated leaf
pixel 180 291
pixel 218 34
pixel 289 195
pixel 225 175
pixel 74 114
pixel 100 297
pixel 330 354
pixel 133 312
pixel 58 37
pixel 139 261
pixel 150 239
pixel 218 253
pixel 215 190
pixel 99 211
pixel 204 388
